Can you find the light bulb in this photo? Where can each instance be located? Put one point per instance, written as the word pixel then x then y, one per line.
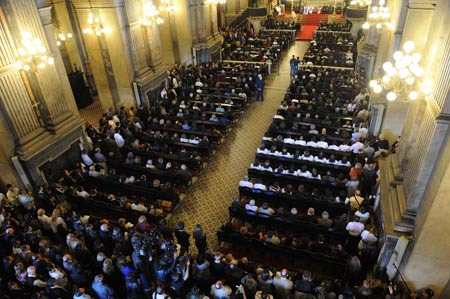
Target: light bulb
pixel 22 52
pixel 398 55
pixel 18 65
pixel 408 46
pixel 58 43
pixel 26 67
pixel 387 66
pixel 391 72
pixel 69 35
pixel 391 96
pixel 426 89
pixel 419 71
pixel 51 60
pixel 366 26
pixel 378 89
pixel 410 80
pixel 378 25
pixel 41 65
pixel 403 73
pixel 416 57
pixel 413 95
pixel 386 79
pixel 373 83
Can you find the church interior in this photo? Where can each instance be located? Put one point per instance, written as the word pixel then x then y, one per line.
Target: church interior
pixel 224 149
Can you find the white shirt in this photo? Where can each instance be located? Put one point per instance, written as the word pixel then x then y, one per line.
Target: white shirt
pixel 322 144
pixel 368 237
pixel 138 207
pixel 289 140
pixel 356 147
pixel 320 160
pixel 309 158
pixel 249 207
pixel 86 159
pixel 311 144
pixel 119 140
pixel 246 184
pixel 300 142
pixel 305 174
pixel 45 221
pixel 286 154
pixel 263 168
pixel 262 151
pixel 344 147
pixel 355 228
pixel 260 186
pixel 252 166
pixel 333 147
pixel 56 223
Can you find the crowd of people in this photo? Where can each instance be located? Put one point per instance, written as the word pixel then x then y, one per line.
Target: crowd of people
pixel 137 161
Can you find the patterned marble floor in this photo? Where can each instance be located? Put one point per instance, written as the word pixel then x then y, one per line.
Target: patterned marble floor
pixel 208 200
pixel 92 113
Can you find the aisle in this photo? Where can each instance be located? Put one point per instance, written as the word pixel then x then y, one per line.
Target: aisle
pixel 208 200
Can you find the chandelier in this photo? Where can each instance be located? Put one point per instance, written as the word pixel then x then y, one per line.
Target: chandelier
pixel 378 15
pixel 33 54
pixel 216 2
pixel 361 3
pixel 150 15
pixel 95 26
pixel 402 79
pixel 167 5
pixel 61 38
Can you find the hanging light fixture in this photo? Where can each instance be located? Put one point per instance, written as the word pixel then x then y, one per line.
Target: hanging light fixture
pixel 402 78
pixel 33 55
pixel 94 26
pixel 60 37
pixel 378 16
pixel 216 2
pixel 360 3
pixel 167 5
pixel 150 15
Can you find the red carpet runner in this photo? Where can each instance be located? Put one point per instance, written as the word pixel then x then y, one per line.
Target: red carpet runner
pixel 306 33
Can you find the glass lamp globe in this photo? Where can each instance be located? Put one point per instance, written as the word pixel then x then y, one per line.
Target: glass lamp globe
pixel 391 96
pixel 409 46
pixel 413 95
pixel 398 55
pixel 377 89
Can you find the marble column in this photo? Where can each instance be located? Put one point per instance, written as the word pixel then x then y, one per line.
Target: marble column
pixel 47 15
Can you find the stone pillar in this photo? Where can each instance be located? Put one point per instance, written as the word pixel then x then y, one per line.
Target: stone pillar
pixel 206 40
pixel 24 18
pixel 113 70
pixel 429 262
pixel 47 19
pixel 145 50
pixel 32 132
